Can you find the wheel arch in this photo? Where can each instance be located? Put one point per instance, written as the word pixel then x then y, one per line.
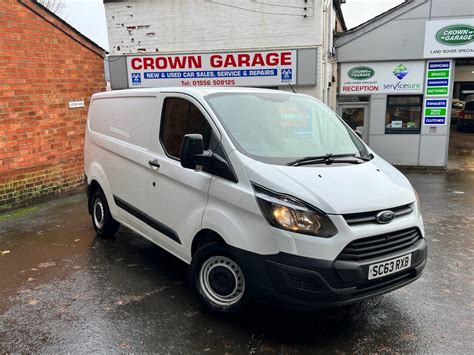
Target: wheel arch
pixel 96 178
pixel 204 237
pixel 91 188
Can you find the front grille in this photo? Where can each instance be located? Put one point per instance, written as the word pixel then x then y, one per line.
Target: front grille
pixel 384 283
pixel 304 282
pixel 369 217
pixel 379 245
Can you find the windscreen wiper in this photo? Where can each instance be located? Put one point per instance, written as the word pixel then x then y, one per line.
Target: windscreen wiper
pixel 329 159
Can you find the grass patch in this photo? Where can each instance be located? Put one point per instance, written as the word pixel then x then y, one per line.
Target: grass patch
pixel 17 213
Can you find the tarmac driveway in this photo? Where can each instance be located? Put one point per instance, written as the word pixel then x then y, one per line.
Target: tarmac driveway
pixel 64 289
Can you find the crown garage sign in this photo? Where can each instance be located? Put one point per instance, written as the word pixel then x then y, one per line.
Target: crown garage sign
pixel 449 38
pixel 265 68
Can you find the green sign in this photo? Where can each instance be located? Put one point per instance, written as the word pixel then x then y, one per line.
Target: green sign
pixel 438 77
pixel 435 112
pixel 455 35
pixel 361 73
pixel 437 91
pixel 438 74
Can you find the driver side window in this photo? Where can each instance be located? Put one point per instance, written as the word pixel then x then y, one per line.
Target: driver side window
pixel 181 117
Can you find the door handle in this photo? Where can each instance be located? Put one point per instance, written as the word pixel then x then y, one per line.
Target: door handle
pixel 154 164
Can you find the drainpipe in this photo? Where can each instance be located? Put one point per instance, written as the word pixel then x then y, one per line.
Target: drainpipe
pixel 326 12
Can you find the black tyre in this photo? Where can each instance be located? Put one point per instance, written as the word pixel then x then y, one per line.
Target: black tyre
pixel 218 280
pixel 102 220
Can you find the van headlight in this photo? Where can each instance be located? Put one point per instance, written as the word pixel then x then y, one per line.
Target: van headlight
pixel 291 214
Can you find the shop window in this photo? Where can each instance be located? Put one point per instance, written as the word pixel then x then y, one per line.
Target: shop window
pixel 403 114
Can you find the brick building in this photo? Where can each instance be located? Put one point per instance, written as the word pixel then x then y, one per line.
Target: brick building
pixel 46 67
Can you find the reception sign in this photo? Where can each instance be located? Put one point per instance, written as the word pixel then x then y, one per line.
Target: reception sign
pixel 404 77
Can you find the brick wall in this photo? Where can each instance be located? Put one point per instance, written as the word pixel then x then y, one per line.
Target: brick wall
pixel 44 65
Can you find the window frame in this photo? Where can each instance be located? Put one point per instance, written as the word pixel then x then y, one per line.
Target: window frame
pixel 403 130
pixel 199 107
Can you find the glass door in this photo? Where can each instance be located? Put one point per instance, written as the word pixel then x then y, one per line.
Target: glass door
pixel 356 116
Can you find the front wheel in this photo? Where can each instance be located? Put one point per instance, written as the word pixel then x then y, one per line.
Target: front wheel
pixel 102 220
pixel 218 280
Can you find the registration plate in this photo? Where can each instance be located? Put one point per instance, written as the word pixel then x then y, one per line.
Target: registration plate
pixel 389 267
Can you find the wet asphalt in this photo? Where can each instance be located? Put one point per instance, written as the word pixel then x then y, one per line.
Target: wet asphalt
pixel 62 288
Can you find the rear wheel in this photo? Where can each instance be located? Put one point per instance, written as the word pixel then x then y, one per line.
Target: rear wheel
pixel 102 220
pixel 218 280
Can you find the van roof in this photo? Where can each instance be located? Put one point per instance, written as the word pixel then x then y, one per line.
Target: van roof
pixel 194 91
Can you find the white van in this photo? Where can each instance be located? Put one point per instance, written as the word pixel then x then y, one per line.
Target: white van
pixel 267 195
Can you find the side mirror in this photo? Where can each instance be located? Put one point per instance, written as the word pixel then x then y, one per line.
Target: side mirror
pixel 192 151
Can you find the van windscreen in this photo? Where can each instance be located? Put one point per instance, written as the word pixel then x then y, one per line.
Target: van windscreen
pixel 278 128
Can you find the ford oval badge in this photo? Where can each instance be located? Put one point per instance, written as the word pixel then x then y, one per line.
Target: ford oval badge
pixel 385 216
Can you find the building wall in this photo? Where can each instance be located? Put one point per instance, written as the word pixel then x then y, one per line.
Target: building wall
pixel 401 37
pixel 186 26
pixel 198 25
pixel 41 139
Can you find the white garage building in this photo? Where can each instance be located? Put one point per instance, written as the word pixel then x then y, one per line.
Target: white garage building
pixel 399 74
pixel 274 44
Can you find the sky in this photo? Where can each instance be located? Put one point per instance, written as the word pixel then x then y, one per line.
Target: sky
pixel 358 11
pixel 88 16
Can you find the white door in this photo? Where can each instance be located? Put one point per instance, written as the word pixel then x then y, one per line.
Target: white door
pixel 176 197
pixel 357 117
pixel 124 141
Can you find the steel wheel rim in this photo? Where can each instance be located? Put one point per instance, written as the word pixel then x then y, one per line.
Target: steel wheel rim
pixel 98 208
pixel 229 267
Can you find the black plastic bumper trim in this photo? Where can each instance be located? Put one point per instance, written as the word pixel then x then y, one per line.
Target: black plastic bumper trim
pixel 153 223
pixel 299 282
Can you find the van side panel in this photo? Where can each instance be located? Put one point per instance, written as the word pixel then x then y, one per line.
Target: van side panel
pixel 127 119
pixel 232 212
pixel 118 138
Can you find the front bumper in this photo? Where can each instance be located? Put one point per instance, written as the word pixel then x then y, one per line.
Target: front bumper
pixel 305 283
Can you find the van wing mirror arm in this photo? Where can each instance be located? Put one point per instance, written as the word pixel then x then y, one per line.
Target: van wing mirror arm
pixel 192 154
pixel 204 159
pixel 214 164
pixel 220 167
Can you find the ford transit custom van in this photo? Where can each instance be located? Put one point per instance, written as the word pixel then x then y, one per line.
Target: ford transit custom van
pixel 267 195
